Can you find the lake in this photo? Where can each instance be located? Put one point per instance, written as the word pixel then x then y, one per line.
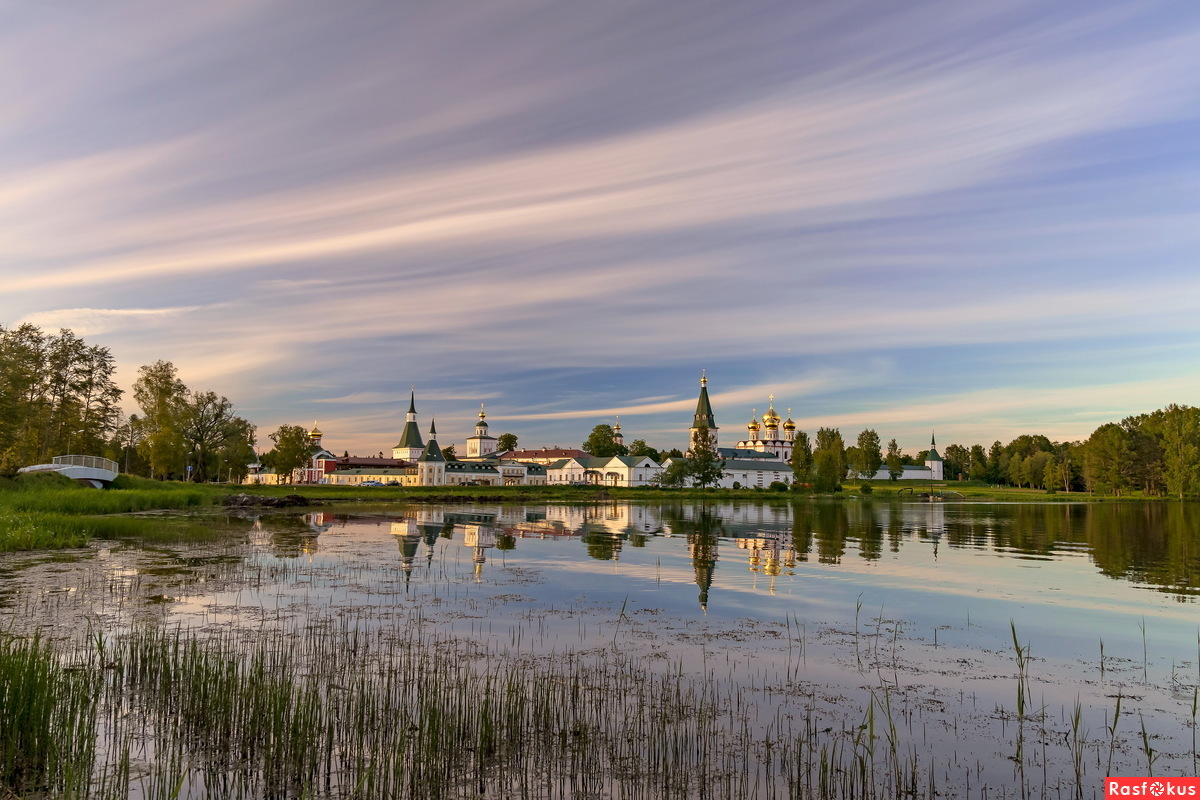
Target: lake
pixel 836 647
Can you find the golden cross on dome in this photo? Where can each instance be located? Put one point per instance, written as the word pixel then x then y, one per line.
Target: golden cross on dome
pixel 771 397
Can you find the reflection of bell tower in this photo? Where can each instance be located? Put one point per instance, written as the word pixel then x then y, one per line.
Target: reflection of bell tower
pixel 479 538
pixel 407 538
pixel 704 561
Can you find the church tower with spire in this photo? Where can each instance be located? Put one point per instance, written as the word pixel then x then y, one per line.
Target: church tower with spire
pixel 410 446
pixel 481 444
pixel 933 460
pixel 704 416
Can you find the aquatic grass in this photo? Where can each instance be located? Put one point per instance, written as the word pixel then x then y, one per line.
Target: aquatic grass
pixel 39 530
pixel 47 720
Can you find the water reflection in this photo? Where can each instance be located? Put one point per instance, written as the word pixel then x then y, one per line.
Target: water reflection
pixel 1156 545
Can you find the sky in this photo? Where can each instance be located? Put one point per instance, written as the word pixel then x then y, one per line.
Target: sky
pixel 979 219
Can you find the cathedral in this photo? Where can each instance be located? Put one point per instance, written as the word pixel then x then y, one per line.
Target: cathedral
pixel 766 439
pixel 769 436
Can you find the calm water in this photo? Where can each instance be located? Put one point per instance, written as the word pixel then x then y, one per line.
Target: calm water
pixel 814 608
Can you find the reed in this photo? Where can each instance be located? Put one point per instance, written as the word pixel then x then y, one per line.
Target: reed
pixel 47 721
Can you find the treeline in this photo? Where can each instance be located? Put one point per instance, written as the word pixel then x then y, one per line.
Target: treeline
pixel 1156 454
pixel 58 397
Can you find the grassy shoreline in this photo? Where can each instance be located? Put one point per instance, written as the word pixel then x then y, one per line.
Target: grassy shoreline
pixel 51 512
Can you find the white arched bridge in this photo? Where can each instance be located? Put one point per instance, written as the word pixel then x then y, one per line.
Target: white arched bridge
pixel 92 470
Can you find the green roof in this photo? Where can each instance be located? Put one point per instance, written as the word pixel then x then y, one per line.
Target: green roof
pixel 432 451
pixel 411 437
pixel 704 412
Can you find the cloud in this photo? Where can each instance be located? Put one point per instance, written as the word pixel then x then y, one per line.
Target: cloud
pixel 93 321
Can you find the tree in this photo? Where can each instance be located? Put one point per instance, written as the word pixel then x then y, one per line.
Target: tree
pixel 869 457
pixel 675 475
pixel 829 460
pixel 449 454
pixel 956 461
pixel 601 443
pixel 705 467
pixel 1105 456
pixel 236 450
pixel 506 442
pixel 638 447
pixel 895 461
pixel 978 463
pixel 1179 430
pixel 292 451
pixel 161 396
pixel 56 394
pixel 205 422
pixel 802 458
pixel 995 469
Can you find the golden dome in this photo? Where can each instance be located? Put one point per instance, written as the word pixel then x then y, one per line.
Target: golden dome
pixel 789 425
pixel 315 433
pixel 771 419
pixel 753 425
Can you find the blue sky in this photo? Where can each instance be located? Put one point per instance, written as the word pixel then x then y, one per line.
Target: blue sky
pixel 982 219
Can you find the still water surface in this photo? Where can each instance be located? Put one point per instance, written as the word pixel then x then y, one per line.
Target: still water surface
pixel 820 606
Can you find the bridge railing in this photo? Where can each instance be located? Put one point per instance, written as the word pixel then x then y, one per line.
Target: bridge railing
pixel 95 462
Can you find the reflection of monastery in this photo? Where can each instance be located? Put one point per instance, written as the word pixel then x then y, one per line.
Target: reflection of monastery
pixel 760 459
pixel 773 541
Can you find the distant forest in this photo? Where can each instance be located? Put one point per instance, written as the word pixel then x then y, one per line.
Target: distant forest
pixel 57 396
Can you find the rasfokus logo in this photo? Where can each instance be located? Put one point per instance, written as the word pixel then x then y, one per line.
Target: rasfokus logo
pixel 1152 787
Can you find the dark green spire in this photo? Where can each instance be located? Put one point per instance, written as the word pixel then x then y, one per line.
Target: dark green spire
pixel 704 412
pixel 432 451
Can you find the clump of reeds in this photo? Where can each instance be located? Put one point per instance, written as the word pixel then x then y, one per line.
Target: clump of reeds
pixel 47 721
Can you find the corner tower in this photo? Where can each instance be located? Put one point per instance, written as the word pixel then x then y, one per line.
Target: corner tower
pixel 410 446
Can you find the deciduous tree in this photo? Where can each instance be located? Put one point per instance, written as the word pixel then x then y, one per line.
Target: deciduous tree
pixel 868 458
pixel 506 442
pixel 895 460
pixel 802 458
pixel 601 443
pixel 292 451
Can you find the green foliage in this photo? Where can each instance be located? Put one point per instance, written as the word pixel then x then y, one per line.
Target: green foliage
pixel 829 460
pixel 705 467
pixel 778 486
pixel 161 396
pixel 895 460
pixel 57 394
pixel 638 447
pixel 292 451
pixel 868 458
pixel 601 442
pixel 449 453
pixel 506 442
pixel 802 458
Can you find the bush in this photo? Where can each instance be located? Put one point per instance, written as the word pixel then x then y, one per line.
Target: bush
pixel 778 486
pixel 866 488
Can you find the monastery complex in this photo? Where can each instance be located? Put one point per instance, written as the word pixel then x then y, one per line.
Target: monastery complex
pixel 758 460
